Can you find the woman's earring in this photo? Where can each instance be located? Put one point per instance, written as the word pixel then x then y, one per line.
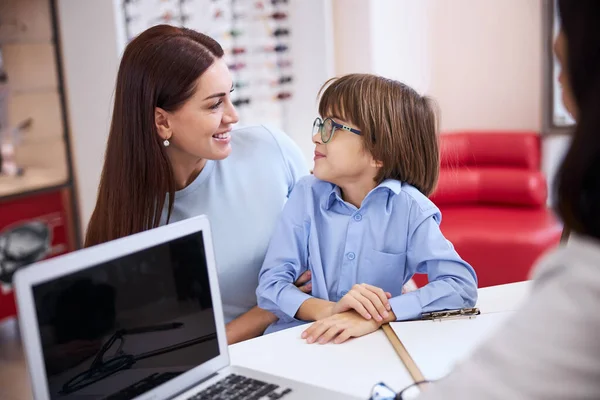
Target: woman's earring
pixel 166 143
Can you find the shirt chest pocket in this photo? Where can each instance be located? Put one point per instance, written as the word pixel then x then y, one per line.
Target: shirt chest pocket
pixel 384 270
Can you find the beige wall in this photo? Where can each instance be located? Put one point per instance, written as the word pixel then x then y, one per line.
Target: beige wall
pixel 486 69
pixel 481 59
pixel 486 63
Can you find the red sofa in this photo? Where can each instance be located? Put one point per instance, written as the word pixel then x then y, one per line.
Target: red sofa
pixel 493 201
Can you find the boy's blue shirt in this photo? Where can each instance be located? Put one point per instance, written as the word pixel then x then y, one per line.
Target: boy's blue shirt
pixel 393 235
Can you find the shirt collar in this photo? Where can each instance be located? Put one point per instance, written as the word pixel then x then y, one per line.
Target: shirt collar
pixel 391 185
pixel 334 194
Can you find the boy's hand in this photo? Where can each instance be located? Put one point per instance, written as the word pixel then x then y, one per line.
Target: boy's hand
pixel 339 328
pixel 368 301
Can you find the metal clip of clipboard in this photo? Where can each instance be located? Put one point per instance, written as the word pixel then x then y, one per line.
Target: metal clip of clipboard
pixel 451 314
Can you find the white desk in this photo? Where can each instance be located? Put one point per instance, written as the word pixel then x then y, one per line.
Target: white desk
pixel 503 297
pixel 353 367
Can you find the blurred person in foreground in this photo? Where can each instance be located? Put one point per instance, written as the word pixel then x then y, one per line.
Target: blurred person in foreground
pixel 549 348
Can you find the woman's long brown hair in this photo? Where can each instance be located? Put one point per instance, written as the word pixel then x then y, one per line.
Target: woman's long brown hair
pixel 159 68
pixel 578 179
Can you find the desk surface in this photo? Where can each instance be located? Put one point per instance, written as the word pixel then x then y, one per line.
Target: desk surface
pixel 352 368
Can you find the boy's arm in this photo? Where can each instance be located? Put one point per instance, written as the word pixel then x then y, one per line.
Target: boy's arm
pixel 286 258
pixel 452 281
pixel 315 309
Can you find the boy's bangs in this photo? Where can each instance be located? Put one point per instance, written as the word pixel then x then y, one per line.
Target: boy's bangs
pixel 337 101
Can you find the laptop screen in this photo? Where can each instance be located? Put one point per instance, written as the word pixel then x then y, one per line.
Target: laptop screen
pixel 123 327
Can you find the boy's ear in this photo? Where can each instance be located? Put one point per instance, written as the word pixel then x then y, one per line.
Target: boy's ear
pixel 376 164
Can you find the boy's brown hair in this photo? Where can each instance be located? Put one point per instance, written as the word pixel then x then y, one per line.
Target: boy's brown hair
pixel 399 126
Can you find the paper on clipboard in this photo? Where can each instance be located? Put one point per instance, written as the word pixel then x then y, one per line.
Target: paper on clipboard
pixel 436 346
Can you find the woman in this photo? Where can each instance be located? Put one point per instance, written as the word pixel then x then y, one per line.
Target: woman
pixel 172 154
pixel 549 349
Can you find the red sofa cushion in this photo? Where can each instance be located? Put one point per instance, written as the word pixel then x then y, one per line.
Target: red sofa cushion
pixel 490 185
pixel 519 149
pixel 502 243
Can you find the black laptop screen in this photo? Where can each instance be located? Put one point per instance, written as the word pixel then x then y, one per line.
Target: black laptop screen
pixel 123 327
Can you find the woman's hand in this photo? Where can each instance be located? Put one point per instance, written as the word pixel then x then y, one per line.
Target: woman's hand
pixel 253 323
pixel 303 283
pixel 339 328
pixel 369 301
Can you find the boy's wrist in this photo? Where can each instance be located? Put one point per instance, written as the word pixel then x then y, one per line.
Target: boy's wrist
pixel 314 309
pixel 327 310
pixel 333 310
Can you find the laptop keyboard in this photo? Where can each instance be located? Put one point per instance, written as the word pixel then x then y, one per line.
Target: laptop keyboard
pixel 236 387
pixel 143 386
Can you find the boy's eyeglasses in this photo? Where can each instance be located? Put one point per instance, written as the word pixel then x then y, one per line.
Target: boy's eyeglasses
pixel 381 391
pixel 327 129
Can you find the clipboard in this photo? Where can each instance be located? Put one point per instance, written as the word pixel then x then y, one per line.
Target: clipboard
pixel 408 361
pixel 451 314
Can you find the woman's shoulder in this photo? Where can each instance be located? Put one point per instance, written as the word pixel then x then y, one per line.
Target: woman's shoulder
pixel 312 187
pixel 576 261
pixel 256 131
pixel 270 148
pixel 261 138
pixel 313 184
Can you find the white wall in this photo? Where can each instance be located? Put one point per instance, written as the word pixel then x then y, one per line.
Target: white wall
pixel 90 68
pixel 554 149
pixel 312 54
pixel 399 40
pixel 385 37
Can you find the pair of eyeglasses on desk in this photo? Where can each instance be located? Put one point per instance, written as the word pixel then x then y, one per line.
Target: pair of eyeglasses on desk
pixel 381 391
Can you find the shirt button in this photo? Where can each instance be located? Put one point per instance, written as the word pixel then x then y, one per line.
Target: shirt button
pixel 351 256
pixel 358 217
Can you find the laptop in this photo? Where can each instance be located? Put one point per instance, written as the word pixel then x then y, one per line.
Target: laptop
pixel 137 318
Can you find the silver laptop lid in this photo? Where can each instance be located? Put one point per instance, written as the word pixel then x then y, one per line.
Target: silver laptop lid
pixel 142 311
